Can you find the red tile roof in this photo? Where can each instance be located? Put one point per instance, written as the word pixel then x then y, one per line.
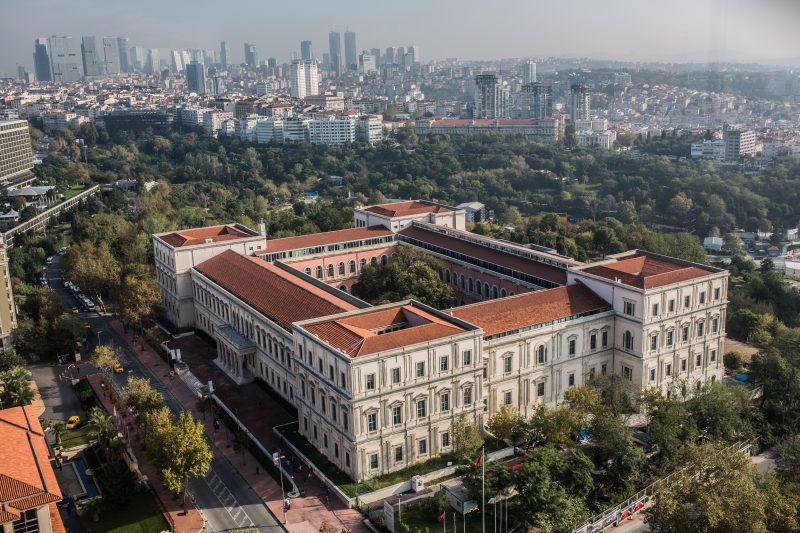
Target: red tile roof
pixel 279 295
pixel 522 310
pixel 496 257
pixel 322 239
pixel 371 332
pixel 26 477
pixel 193 237
pixel 646 271
pixel 404 209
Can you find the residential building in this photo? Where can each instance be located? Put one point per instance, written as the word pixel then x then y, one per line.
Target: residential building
pixel 528 72
pixel 29 491
pixel 377 388
pixel 579 99
pixel 305 51
pixel 305 78
pixel 367 63
pixel 332 129
pixel 738 143
pixel 369 128
pixel 8 309
pixel 350 51
pixel 16 155
pixel 269 130
pixel 535 100
pixel 41 60
pixel 491 97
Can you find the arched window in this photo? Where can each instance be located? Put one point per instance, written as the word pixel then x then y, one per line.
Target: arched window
pixel 384 259
pixel 463 281
pixel 486 290
pixel 330 271
pixel 627 340
pixel 478 288
pixel 352 266
pixel 308 271
pixel 363 263
pixel 319 272
pixel 373 261
pixel 447 276
pixel 494 291
pixel 341 269
pixel 343 288
pixel 541 355
pixel 471 285
pixel 455 279
pixel 503 293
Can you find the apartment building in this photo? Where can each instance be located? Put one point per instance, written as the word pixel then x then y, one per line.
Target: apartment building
pixel 377 388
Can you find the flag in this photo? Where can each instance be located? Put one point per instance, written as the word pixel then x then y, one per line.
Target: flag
pixel 479 460
pixel 440 517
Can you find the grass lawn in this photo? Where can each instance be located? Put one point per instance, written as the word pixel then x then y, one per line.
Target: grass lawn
pixel 141 515
pixel 76 437
pixel 343 481
pixel 73 191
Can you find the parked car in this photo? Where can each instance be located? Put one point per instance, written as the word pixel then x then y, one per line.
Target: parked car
pixel 75 310
pixel 49 260
pixel 73 422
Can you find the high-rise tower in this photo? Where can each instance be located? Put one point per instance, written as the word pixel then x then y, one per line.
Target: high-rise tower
pixel 41 60
pixel 350 50
pixel 65 62
pixel 305 51
pixel 224 54
pixel 491 98
pixel 335 50
pixel 250 55
pixel 579 102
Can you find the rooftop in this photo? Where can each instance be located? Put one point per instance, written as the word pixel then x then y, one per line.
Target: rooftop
pixel 26 477
pixel 322 239
pixel 277 294
pixel 647 271
pixel 523 310
pixel 193 237
pixel 404 209
pixel 383 329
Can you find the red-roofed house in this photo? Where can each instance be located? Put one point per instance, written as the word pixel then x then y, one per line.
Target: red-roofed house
pixel 27 483
pixel 398 215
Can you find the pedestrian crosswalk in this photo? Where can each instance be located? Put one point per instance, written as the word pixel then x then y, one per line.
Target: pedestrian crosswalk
pixel 237 513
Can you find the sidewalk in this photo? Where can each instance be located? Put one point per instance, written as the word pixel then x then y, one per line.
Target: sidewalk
pixel 260 414
pixel 173 508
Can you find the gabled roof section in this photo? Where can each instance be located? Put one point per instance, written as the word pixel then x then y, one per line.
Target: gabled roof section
pixel 644 270
pixel 26 477
pixel 384 329
pixel 322 239
pixel 274 292
pixel 530 309
pixel 404 209
pixel 193 237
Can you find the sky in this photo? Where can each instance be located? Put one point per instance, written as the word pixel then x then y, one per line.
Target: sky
pixel 639 30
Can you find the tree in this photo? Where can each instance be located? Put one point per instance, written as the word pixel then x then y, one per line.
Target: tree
pixel 787 459
pixel 507 425
pixel 141 396
pixel 138 297
pixel 58 427
pixel 103 427
pixel 93 268
pixel 466 439
pixel 9 359
pixel 671 427
pixel 180 451
pixel 717 492
pixel 105 359
pixel 15 387
pixel 733 360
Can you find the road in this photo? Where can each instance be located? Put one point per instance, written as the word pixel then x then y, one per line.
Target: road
pixel 223 497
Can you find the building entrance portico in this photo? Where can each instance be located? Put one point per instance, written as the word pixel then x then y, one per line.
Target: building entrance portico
pixel 235 354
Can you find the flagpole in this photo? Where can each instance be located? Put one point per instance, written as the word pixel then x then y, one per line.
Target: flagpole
pixel 444 522
pixel 454 522
pixel 483 492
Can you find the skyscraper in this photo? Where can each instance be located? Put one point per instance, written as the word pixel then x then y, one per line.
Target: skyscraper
pixel 305 78
pixel 579 102
pixel 176 61
pixel 250 55
pixel 389 59
pixel 136 58
pixel 412 53
pixel 41 60
pixel 122 52
pixel 196 77
pixel 376 52
pixel 111 55
pixel 350 50
pixel 93 64
pixel 335 49
pixel 400 56
pixel 305 51
pixel 366 62
pixel 536 100
pixel 153 64
pixel 65 62
pixel 224 54
pixel 529 72
pixel 491 98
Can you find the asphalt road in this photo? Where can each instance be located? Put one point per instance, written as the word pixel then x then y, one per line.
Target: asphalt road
pixel 223 497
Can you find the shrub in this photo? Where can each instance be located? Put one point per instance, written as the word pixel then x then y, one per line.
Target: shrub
pixel 733 360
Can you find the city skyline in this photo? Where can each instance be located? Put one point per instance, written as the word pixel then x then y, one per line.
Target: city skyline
pixel 718 30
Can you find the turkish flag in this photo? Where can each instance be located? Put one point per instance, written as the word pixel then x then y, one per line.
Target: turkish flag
pixel 479 460
pixel 440 517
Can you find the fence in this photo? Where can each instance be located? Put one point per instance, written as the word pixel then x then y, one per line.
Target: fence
pixel 613 515
pixel 40 221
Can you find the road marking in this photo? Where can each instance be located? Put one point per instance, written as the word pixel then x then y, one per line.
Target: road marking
pixel 227 499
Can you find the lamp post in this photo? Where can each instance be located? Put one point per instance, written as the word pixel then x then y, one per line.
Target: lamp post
pixel 283 494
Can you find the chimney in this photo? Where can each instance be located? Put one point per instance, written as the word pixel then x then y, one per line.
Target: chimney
pixel 262 228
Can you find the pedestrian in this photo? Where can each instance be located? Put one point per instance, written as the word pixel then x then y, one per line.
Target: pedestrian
pixel 327 499
pixel 79 370
pixel 256 470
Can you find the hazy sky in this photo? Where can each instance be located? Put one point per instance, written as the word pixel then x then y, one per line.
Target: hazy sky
pixel 471 29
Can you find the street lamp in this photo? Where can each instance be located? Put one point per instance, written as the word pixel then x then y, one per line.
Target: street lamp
pixel 98 337
pixel 283 494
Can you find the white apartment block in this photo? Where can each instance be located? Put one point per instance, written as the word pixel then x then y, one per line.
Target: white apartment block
pixel 332 129
pixel 377 388
pixel 305 78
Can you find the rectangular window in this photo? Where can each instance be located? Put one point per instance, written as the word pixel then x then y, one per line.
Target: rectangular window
pixel 605 338
pixel 370 381
pixel 540 389
pixel 422 411
pixel 655 309
pixel 347 458
pixel 345 421
pixel 629 308
pixel 507 397
pixel 627 372
pixel 330 372
pixel 398 454
pixel 571 347
pixel 685 333
pixel 683 365
pixel 652 374
pixel 507 364
pixel 444 363
pixel 395 375
pixel 444 402
pixel 397 415
pixel 421 369
pixel 305 423
pixel 468 396
pixel 687 301
pixel 422 446
pixel 315 432
pixel 716 293
pixel 571 380
pixel 713 356
pixel 703 297
pixel 668 369
pixel 467 355
pixel 343 381
pixel 335 449
pixel 654 343
pixel 671 306
pixel 372 422
pixel 373 461
pixel 670 335
pixel 698 360
pixel 593 342
pixel 603 369
pixel 445 439
pixel 714 325
pixel 701 329
pixel 324 440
